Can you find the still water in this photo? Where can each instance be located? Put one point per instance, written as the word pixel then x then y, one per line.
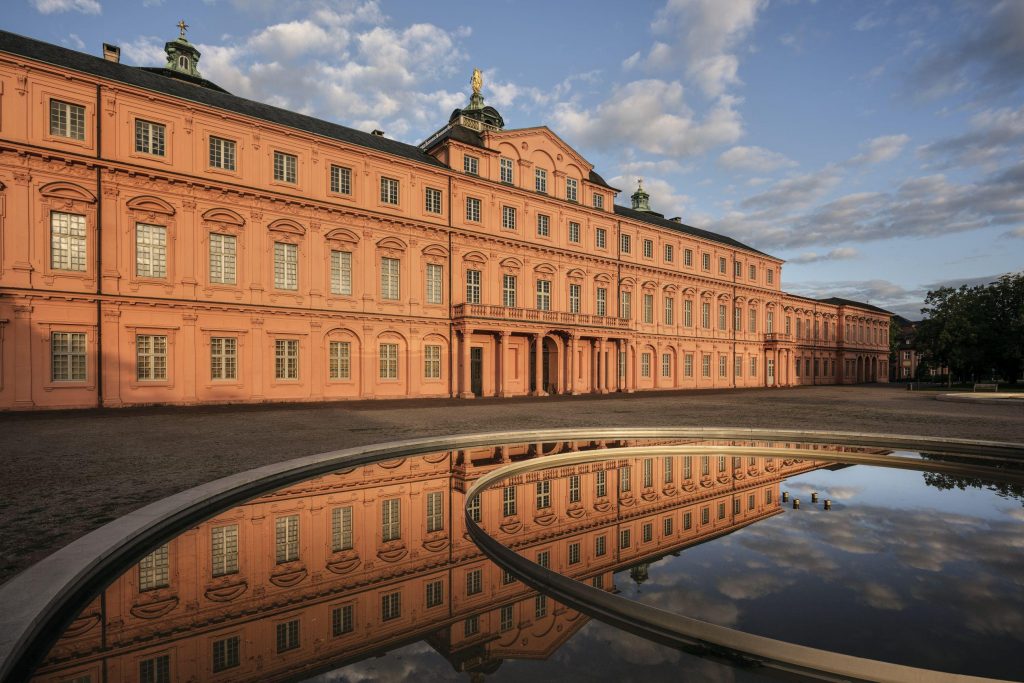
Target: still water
pixel 369 573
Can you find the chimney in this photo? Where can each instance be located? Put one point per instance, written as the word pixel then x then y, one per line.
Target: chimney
pixel 378 132
pixel 111 53
pixel 676 219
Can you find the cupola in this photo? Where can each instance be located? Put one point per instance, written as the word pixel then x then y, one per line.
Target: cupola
pixel 641 200
pixel 476 111
pixel 182 56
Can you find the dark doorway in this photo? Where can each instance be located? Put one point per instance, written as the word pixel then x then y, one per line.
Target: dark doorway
pixel 476 370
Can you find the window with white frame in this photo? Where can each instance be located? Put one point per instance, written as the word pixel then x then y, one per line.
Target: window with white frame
pixel 154 570
pixel 721 316
pixel 670 307
pixel 687 313
pixel 752 322
pixel 574 298
pixel 435 286
pixel 508 291
pixel 666 365
pixel 470 164
pixel 648 249
pixel 341 179
pixel 472 286
pixel 626 305
pixel 602 301
pixel 669 253
pixel 224 550
pixel 543 494
pixel 508 217
pixel 340 360
pixel 389 278
pixel 286 359
pixel 67 357
pixel 151 357
pixel 625 244
pixel 391 519
pixel 601 483
pixel 722 263
pixel 226 653
pixel 223 358
pixel 571 189
pixel 435 515
pixel 598 201
pixel 67 120
pixel 574 232
pixel 286 538
pixel 574 488
pixel 737 318
pixel 723 366
pixel 67 241
pixel 770 276
pixel 600 238
pixel 506 170
pixel 388 361
pixel 648 308
pixel 508 504
pixel 645 364
pixel 753 366
pixel 705 365
pixel 342 620
pixel 341 273
pixel 150 137
pixel 687 257
pixel 432 200
pixel 540 606
pixel 705 315
pixel 435 593
pixel 769 322
pixel 150 250
pixel 705 261
pixel 474 582
pixel 389 191
pixel 600 546
pixel 688 365
pixel 737 269
pixel 473 209
pixel 223 255
pixel 738 365
pixel 540 180
pixel 543 295
pixel 222 153
pixel 390 606
pixel 286 265
pixel 753 272
pixel 285 167
pixel 543 225
pixel 667 469
pixel 574 553
pixel 624 539
pixel 474 508
pixel 432 361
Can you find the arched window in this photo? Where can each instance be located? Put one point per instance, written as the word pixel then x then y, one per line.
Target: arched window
pixel 183 62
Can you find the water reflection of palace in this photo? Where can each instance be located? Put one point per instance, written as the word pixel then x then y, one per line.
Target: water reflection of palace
pixel 361 561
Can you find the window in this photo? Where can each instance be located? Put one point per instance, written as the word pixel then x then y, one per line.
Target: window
pixel 574 488
pixel 474 582
pixel 435 516
pixel 286 265
pixel 286 538
pixel 705 515
pixel 723 366
pixel 705 261
pixel 737 269
pixel 540 606
pixel 472 286
pixel 432 361
pixel 389 278
pixel 543 494
pixel 473 209
pixel 769 322
pixel 508 217
pixel 688 313
pixel 224 550
pixel 687 521
pixel 543 225
pixel 67 241
pixel 506 619
pixel 601 483
pixel 390 606
pixel 508 291
pixel 150 250
pixel 705 365
pixel 341 529
pixel 434 283
pixel 600 546
pixel 602 301
pixel 624 479
pixel 721 510
pixel 666 526
pixel 474 508
pixel 574 553
pixel 648 249
pixel 471 626
pixel 544 559
pixel 688 365
pixel 154 570
pixel 390 520
pixel 342 620
pixel 470 164
pixel 752 323
pixel 574 298
pixel 223 358
pixel 67 120
pixel 288 635
pixel 341 180
pixel 770 275
pixel 598 201
pixel 286 359
pixel 670 305
pixel 737 319
pixel 149 137
pixel 285 167
pixel 509 501
pixel 506 171
pixel 543 295
pixel 601 238
pixel 768 496
pixel 721 265
pixel 753 366
pixel 625 243
pixel 341 273
pixel 666 365
pixel 738 365
pixel 687 257
pixel 648 309
pixel 626 305
pixel 648 473
pixel 388 361
pixel 705 315
pixel 667 467
pixel 225 653
pixel 624 539
pixel 155 670
pixel 223 250
pixel 574 233
pixel 67 356
pixel 571 187
pixel 432 200
pixel 388 191
pixel 340 353
pixel 648 532
pixel 753 272
pixel 222 153
pixel 150 357
pixel 506 578
pixel 669 253
pixel 540 180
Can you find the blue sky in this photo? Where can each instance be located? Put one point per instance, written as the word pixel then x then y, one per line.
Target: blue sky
pixel 878 147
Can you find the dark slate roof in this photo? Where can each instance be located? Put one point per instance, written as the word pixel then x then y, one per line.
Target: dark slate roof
pixel 598 180
pixel 836 301
pixel 683 227
pixel 148 80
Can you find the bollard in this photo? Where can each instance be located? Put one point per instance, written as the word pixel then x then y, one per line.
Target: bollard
pixel 796 503
pixel 814 497
pixel 828 504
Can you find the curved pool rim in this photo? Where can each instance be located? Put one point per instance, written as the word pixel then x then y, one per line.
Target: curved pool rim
pixel 43 598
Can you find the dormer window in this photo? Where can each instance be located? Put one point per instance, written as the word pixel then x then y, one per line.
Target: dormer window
pixel 598 201
pixel 471 165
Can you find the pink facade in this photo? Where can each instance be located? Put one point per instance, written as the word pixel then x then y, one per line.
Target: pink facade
pixel 165 242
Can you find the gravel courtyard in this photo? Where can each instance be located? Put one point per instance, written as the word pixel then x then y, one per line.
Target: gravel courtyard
pixel 64 474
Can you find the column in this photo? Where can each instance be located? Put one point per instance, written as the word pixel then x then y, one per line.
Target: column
pixel 620 379
pixel 22 338
pixel 595 373
pixel 464 383
pixel 778 368
pixel 603 356
pixel 499 359
pixel 630 369
pixel 191 351
pixel 538 375
pixel 570 385
pixel 109 364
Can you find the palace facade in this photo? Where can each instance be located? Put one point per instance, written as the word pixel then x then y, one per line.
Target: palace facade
pixel 163 241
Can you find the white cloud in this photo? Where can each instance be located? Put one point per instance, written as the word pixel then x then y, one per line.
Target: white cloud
pixel 289 40
pixel 867 22
pixel 145 51
pixel 993 133
pixel 756 159
pixel 881 149
pixel 74 41
pixel 56 6
pixel 837 254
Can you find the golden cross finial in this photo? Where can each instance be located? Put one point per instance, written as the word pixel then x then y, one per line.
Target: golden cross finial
pixel 182 26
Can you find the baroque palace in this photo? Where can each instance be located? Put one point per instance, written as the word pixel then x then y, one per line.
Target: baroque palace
pixel 163 241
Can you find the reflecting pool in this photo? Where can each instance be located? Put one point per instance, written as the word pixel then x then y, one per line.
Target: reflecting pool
pixel 370 573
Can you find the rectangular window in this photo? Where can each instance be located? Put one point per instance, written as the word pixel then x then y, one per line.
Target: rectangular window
pixel 598 201
pixel 223 358
pixel 473 209
pixel 509 501
pixel 472 286
pixel 602 301
pixel 751 501
pixel 574 553
pixel 738 365
pixel 625 244
pixel 224 550
pixel 721 316
pixel 770 275
pixel 506 619
pixel 508 217
pixel 225 653
pixel 571 188
pixel 341 180
pixel 540 606
pixel 390 606
pixel 474 582
pixel 508 291
pixel 222 153
pixel 432 361
pixel 286 359
pixel 723 366
pixel 471 626
pixel 390 519
pixel 645 365
pixel 342 620
pixel 543 225
pixel 389 191
pixel 667 468
pixel 705 315
pixel 647 532
pixel 625 484
pixel 543 494
pixel 340 360
pixel 67 241
pixel 666 526
pixel 687 521
pixel 601 481
pixel 435 287
pixel 67 356
pixel 687 257
pixel 705 515
pixel 150 250
pixel 669 253
pixel 670 305
pixel 574 488
pixel 737 319
pixel 753 366
pixel 705 261
pixel 737 269
pixel 390 278
pixel 648 473
pixel 687 313
pixel 285 167
pixel 626 305
pixel 540 180
pixel 223 251
pixel 768 494
pixel 286 538
pixel 150 357
pixel 543 295
pixel 435 515
pixel 600 238
pixel 705 365
pixel 154 570
pixel 155 670
pixel 432 200
pixel 341 529
pixel 753 272
pixel 286 265
pixel 288 636
pixel 474 508
pixel 600 546
pixel 470 164
pixel 507 579
pixel 574 233
pixel 388 361
pixel 149 137
pixel 624 540
pixel 574 298
pixel 544 559
pixel 341 273
pixel 769 322
pixel 648 309
pixel 688 365
pixel 435 594
pixel 648 249
pixel 506 171
pixel 666 365
pixel 752 323
pixel 67 120
pixel 722 265
pixel 721 510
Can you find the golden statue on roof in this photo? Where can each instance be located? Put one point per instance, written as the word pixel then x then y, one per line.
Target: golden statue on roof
pixel 182 26
pixel 477 81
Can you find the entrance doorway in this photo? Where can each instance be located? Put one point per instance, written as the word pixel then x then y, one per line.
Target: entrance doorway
pixel 771 372
pixel 476 371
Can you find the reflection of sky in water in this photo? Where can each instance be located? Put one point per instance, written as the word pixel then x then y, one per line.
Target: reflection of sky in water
pixel 897 571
